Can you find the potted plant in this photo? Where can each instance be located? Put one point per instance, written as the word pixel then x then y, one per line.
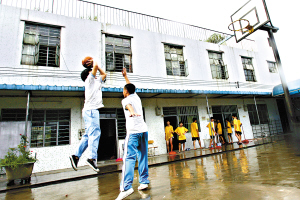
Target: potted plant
pixel 18 162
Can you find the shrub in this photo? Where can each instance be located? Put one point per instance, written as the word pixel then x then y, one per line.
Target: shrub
pixel 17 156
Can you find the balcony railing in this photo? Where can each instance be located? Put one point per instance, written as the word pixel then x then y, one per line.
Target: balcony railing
pixel 120 17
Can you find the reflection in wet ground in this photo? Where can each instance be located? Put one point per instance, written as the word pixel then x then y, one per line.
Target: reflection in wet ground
pixel 268 171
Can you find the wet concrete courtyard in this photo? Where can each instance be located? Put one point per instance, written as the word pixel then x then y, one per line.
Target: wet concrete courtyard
pixel 269 171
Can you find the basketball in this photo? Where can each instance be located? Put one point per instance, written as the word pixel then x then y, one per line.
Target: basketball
pixel 87 62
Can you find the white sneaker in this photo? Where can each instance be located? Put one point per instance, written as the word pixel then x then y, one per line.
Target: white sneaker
pixel 125 194
pixel 143 186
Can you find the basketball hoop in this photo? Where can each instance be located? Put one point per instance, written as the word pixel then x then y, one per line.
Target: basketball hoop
pixel 247 28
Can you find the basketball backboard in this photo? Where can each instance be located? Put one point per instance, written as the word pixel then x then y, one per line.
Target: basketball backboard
pixel 254 11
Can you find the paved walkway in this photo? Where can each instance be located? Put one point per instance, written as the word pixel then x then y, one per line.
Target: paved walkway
pixel 67 175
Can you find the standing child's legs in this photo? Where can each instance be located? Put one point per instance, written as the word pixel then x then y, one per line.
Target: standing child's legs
pixel 129 159
pixel 143 158
pixel 179 147
pixel 171 141
pixel 194 141
pixel 199 143
pixel 168 148
pixel 183 147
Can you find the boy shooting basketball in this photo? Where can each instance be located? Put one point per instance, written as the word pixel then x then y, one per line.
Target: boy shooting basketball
pixel 90 112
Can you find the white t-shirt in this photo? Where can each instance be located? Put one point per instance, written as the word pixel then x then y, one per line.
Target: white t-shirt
pixel 93 93
pixel 134 124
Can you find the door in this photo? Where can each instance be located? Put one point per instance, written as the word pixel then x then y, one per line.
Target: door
pixel 107 149
pixel 174 123
pixel 283 115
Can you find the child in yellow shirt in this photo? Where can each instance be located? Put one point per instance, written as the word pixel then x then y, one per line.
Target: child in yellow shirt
pixel 181 131
pixel 169 135
pixel 229 131
pixel 212 132
pixel 195 133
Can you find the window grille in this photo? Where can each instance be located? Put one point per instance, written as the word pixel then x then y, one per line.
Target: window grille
pixel 118 54
pixel 218 68
pixel 248 69
pixel 262 112
pixel 175 63
pixel 184 114
pixel 272 67
pixel 50 128
pixel 13 114
pixel 41 45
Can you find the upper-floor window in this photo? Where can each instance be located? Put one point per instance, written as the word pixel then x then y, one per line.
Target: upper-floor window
pixel 272 67
pixel 248 69
pixel 118 53
pixel 41 45
pixel 175 63
pixel 217 66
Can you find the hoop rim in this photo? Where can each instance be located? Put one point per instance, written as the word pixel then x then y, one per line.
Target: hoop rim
pixel 246 27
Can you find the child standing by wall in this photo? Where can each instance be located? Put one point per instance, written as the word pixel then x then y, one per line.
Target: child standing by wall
pixel 195 133
pixel 212 132
pixel 181 131
pixel 169 135
pixel 229 131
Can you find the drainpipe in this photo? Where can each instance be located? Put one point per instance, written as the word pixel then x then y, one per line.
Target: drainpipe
pixel 257 114
pixel 27 112
pixel 208 111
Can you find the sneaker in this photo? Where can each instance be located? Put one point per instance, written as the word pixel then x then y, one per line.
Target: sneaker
pixel 125 194
pixel 143 186
pixel 74 161
pixel 93 164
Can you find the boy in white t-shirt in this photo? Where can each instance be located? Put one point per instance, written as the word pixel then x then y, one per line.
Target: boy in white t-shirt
pixel 136 141
pixel 90 112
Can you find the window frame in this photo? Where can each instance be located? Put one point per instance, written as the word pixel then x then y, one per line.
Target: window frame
pixel 35 45
pixel 272 69
pixel 218 68
pixel 123 54
pixel 178 111
pixel 171 60
pixel 248 72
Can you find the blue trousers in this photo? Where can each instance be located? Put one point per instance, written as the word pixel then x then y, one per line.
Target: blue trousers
pixel 136 145
pixel 92 134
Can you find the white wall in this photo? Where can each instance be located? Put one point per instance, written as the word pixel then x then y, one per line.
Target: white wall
pixel 80 38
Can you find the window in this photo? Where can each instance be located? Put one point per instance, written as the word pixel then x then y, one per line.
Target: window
pixel 262 112
pixel 248 69
pixel 224 112
pixel 175 63
pixel 50 128
pixel 218 69
pixel 118 54
pixel 184 114
pixel 272 67
pixel 13 115
pixel 41 45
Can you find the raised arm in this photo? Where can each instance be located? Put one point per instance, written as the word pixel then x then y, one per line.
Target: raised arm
pixel 125 75
pixel 95 68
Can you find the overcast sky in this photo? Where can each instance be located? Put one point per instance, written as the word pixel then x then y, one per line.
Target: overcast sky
pixel 215 14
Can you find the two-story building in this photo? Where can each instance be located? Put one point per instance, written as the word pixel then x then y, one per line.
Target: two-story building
pixel 179 70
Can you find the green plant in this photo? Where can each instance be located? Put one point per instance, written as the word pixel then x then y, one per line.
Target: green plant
pixel 17 156
pixel 215 38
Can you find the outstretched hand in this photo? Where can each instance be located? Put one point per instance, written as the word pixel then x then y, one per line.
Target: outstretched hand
pixel 124 73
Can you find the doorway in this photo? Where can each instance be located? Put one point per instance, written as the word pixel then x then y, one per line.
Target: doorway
pixel 107 149
pixel 174 123
pixel 283 115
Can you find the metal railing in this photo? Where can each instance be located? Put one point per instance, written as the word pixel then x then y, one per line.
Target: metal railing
pixel 120 17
